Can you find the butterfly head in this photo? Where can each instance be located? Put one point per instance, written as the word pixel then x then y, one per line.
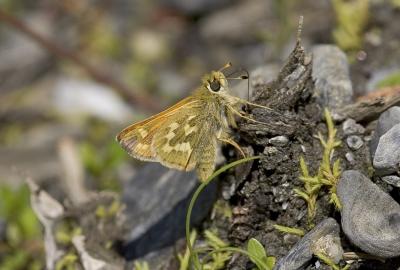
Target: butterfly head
pixel 215 82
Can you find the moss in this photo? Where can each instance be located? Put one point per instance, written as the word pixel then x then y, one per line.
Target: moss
pixel 352 18
pixel 328 173
pixel 390 80
pixel 22 246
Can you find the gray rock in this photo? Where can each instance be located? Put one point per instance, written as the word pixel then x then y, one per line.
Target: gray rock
pixel 386 121
pixel 350 158
pixel 322 238
pixel 350 127
pixel 392 180
pixel 156 202
pixel 333 86
pixel 370 217
pixel 279 141
pixel 354 142
pixel 387 155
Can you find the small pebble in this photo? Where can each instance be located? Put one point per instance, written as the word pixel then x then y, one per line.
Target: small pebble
pixel 386 121
pixel 393 180
pixel 354 142
pixel 330 246
pixel 290 239
pixel 350 127
pixel 285 205
pixel 270 150
pixel 350 158
pixel 387 155
pixel 279 141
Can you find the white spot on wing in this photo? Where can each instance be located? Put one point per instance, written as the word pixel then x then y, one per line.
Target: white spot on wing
pixel 189 129
pixel 143 132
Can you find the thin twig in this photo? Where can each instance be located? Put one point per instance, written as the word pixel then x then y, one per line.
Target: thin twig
pixel 141 100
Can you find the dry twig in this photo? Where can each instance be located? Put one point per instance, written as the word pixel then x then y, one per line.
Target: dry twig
pixel 141 100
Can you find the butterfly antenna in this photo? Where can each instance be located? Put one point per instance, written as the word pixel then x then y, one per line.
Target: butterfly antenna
pixel 227 65
pixel 248 84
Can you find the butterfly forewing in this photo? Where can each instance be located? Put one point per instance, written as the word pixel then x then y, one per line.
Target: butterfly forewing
pixel 138 139
pixel 177 140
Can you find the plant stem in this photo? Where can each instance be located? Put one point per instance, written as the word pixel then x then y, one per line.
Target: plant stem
pixel 200 189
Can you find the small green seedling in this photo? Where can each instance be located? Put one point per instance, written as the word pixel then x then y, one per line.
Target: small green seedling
pixel 258 255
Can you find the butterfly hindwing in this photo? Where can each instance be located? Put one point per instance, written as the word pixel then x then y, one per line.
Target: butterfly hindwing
pixel 206 162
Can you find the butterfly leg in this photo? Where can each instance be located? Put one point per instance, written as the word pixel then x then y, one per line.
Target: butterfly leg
pixel 233 143
pixel 254 104
pixel 242 115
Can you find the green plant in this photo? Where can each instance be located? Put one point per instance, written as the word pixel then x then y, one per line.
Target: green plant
pixel 184 260
pixel 352 18
pixel 218 259
pixel 392 79
pixel 67 262
pixel 328 174
pixel 330 263
pixel 22 247
pixel 101 164
pixel 257 254
pixel 142 266
pixel 289 230
pixel 217 245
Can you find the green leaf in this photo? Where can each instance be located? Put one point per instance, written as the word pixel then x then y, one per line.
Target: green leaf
pixel 302 194
pixel 184 259
pixel 290 230
pixel 141 266
pixel 213 240
pixel 327 260
pixel 256 250
pixel 270 261
pixel 336 168
pixel 303 167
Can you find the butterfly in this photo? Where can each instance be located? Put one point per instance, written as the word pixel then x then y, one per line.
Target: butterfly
pixel 186 135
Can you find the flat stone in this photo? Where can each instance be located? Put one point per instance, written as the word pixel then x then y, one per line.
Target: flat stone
pixel 370 217
pixel 156 203
pixel 387 155
pixel 302 252
pixel 386 121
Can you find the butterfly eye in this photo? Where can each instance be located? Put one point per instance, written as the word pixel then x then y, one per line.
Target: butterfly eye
pixel 215 85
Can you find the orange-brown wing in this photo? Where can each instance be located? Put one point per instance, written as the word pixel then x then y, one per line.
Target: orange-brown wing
pixel 137 138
